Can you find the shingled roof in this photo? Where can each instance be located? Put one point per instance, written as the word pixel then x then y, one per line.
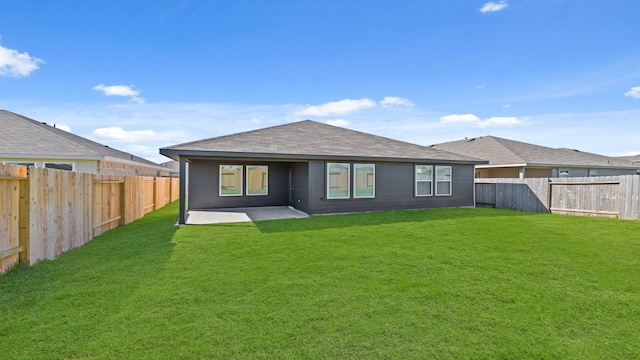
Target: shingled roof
pixel 501 151
pixel 312 140
pixel 23 137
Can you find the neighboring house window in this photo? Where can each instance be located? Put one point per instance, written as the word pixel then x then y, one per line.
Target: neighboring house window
pixel 230 180
pixel 338 180
pixel 424 180
pixel 27 164
pixel 443 180
pixel 257 177
pixel 364 180
pixel 59 166
pixel 593 172
pixel 563 173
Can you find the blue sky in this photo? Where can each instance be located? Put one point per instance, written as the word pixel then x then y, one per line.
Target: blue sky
pixel 139 75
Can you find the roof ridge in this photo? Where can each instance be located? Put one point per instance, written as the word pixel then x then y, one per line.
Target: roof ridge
pixel 500 141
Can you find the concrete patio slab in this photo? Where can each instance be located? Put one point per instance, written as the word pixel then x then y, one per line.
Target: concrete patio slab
pixel 246 214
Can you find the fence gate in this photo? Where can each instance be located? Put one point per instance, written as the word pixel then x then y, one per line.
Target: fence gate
pixel 14 192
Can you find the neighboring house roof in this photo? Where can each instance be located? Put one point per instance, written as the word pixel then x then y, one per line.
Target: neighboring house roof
pixel 173 167
pixel 635 160
pixel 26 138
pixel 312 140
pixel 505 152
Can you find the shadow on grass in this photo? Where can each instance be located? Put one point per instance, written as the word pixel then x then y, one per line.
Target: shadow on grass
pixel 323 222
pixel 84 285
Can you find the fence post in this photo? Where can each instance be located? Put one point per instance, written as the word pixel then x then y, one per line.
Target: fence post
pixel 549 198
pixel 24 220
pixel 122 205
pixel 155 194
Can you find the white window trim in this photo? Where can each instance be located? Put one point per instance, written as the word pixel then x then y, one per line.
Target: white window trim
pixel 450 181
pixel 355 188
pixel 415 175
pixel 246 190
pixel 220 180
pixel 348 181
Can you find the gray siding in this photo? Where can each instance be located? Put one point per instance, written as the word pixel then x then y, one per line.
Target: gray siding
pixel 394 190
pixel 203 191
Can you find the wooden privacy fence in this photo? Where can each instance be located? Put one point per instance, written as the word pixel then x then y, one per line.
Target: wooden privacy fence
pixel 47 212
pixel 611 196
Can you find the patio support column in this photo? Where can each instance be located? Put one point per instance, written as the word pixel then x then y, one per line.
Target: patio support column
pixel 183 190
pixel 521 172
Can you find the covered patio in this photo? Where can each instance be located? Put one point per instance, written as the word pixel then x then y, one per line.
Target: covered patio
pixel 243 214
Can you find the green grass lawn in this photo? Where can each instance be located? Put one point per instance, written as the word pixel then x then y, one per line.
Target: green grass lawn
pixel 442 284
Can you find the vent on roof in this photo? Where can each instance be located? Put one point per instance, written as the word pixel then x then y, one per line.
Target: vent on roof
pixel 470 140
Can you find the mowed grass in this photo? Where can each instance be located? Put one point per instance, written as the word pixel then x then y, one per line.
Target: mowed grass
pixel 440 284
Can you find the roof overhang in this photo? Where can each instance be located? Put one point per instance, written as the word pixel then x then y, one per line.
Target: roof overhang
pixel 533 165
pixel 78 158
pixel 220 155
pixel 49 156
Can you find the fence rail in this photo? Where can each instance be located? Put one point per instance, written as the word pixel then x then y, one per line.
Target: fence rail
pixel 611 196
pixel 46 212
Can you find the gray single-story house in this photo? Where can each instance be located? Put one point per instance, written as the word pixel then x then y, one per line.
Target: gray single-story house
pixel 319 169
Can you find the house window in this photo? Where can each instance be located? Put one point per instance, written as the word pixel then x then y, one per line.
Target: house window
pixel 338 180
pixel 257 178
pixel 230 180
pixel 593 172
pixel 424 180
pixel 364 180
pixel 27 164
pixel 563 173
pixel 59 166
pixel 443 180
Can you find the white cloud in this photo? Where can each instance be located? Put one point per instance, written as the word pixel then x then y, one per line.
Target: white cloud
pixel 459 119
pixel 393 101
pixel 120 90
pixel 118 134
pixel 634 92
pixel 493 7
pixel 478 123
pixel 341 107
pixel 15 64
pixel 628 153
pixel 501 122
pixel 338 122
pixel 66 128
pixel 506 106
